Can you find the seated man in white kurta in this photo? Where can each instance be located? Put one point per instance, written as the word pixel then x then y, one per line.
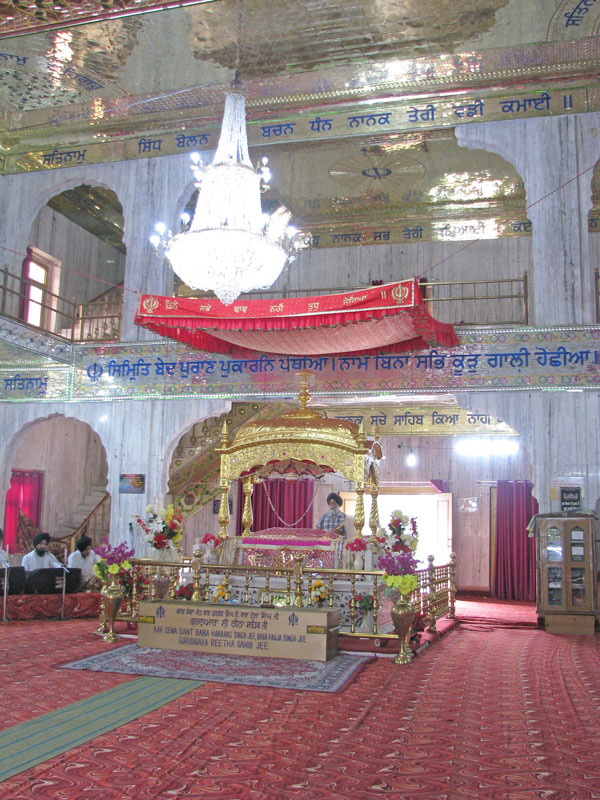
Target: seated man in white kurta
pixel 40 557
pixel 84 558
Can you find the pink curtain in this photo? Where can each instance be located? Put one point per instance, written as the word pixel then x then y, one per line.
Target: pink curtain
pixel 290 499
pixel 24 494
pixel 514 563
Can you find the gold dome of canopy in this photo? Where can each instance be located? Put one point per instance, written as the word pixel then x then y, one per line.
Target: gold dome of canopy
pixel 303 434
pixel 303 425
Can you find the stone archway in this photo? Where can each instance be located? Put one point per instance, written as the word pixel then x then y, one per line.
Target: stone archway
pixel 72 458
pixel 80 230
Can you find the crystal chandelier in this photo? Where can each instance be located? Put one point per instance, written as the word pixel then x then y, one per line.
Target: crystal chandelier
pixel 231 246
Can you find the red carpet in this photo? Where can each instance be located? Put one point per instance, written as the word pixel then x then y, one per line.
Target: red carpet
pixel 499 715
pixel 486 613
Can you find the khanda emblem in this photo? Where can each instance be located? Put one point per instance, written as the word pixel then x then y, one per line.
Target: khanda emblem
pixel 400 293
pixel 150 304
pixel 94 371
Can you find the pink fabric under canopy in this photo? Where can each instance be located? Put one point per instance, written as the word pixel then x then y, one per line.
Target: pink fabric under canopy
pixel 388 318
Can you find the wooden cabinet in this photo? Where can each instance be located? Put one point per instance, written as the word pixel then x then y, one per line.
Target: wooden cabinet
pixel 566 571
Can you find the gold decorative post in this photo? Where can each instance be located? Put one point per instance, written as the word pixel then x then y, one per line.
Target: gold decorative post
pixel 432 594
pixel 375 603
pixel 173 575
pixel 247 513
pixel 297 569
pixel 226 586
pixel 135 601
pixel 452 586
pixel 197 596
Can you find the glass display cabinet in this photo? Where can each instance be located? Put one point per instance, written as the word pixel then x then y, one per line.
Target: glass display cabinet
pixel 566 571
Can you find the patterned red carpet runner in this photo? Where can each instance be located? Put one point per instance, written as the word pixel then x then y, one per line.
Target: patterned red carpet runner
pixel 485 613
pixel 505 714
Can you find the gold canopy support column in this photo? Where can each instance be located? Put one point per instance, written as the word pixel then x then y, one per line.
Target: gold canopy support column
pixel 359 514
pixel 247 513
pixel 374 515
pixel 224 509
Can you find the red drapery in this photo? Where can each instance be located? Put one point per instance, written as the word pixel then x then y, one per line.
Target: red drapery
pixel 24 494
pixel 386 318
pixel 290 499
pixel 514 565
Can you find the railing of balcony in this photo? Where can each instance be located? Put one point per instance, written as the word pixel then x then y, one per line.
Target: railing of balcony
pixel 486 302
pixel 479 302
pixel 67 319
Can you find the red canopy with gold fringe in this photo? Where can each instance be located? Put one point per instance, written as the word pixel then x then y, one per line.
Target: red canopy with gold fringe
pixel 388 318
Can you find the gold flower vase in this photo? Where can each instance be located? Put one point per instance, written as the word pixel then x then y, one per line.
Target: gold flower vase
pixel 112 597
pixel 403 615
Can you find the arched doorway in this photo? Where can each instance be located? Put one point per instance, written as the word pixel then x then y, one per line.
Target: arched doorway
pixel 63 461
pixel 77 255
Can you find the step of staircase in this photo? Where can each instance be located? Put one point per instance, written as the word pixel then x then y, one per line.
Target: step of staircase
pixel 80 511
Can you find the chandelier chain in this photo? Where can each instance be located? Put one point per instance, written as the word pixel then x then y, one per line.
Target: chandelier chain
pixel 238 47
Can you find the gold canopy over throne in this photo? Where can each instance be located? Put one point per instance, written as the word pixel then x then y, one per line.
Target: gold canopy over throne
pixel 302 435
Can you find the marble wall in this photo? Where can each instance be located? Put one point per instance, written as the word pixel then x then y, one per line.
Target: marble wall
pixel 82 255
pixel 559 429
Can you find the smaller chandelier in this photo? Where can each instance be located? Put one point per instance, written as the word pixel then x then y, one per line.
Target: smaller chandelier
pixel 231 246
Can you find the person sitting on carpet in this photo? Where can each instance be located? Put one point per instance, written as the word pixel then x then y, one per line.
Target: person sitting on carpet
pixel 334 519
pixel 3 555
pixel 40 557
pixel 84 558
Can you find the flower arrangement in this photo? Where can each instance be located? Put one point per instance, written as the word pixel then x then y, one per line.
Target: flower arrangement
pixel 184 592
pixel 356 545
pixel 220 594
pixel 210 540
pixel 398 560
pixel 115 561
pixel 399 537
pixel 163 526
pixel 420 622
pixel 364 602
pixel 318 592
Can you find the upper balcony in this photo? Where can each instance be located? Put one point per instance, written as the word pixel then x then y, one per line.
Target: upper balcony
pixel 502 302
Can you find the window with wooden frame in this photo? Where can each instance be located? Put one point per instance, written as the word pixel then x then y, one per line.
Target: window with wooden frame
pixel 40 278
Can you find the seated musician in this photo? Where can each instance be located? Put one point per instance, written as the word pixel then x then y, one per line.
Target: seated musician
pixel 335 518
pixel 84 558
pixel 40 557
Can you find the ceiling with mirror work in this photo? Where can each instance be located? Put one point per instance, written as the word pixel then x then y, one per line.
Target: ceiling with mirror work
pixel 95 81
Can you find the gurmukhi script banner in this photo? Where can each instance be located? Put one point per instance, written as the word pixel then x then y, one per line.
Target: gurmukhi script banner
pixel 501 360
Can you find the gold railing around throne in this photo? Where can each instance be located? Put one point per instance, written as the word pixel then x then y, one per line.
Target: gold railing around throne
pixel 434 596
pixel 303 434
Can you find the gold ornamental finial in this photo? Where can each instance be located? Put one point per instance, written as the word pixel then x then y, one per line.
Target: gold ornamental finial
pixel 225 432
pixel 304 395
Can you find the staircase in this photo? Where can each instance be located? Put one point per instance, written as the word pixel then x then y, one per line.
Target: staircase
pixel 91 517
